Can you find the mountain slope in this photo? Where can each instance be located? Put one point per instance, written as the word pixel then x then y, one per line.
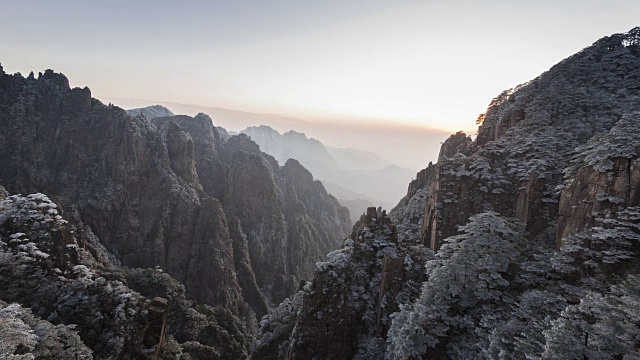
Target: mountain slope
pixel 168 192
pixel 531 234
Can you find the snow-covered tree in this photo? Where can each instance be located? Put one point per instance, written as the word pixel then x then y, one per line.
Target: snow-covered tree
pixel 467 279
pixel 599 327
pixel 603 250
pixel 24 336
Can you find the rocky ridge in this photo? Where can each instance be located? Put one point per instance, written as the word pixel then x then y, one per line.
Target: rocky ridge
pixel 222 218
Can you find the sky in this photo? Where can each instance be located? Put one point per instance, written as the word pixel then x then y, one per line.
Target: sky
pixel 394 77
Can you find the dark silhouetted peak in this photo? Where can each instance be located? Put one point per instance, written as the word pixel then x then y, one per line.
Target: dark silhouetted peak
pixel 55 78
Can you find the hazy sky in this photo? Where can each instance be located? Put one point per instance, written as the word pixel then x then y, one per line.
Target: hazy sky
pixel 348 65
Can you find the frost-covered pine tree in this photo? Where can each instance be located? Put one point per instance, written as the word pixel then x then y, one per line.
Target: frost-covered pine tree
pixel 599 327
pixel 467 279
pixel 603 250
pixel 24 336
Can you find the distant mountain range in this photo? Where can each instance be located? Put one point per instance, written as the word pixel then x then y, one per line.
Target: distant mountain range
pixel 358 178
pixel 419 143
pixel 350 158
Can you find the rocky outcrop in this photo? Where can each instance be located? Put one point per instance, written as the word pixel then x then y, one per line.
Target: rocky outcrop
pixel 423 179
pixel 206 152
pixel 455 144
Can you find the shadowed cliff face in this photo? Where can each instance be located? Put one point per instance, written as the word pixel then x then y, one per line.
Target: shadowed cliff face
pixel 163 192
pixel 137 188
pixel 287 218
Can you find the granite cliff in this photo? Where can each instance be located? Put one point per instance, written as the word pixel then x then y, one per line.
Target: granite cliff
pixel 222 218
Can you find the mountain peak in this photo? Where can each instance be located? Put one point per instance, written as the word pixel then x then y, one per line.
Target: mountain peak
pixel 56 78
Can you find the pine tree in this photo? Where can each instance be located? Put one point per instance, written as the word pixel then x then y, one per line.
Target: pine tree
pixel 467 279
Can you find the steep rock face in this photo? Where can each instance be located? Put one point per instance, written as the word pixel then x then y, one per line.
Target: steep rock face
pixel 310 213
pixel 604 178
pixel 423 178
pixel 253 198
pixel 527 136
pixel 206 149
pixel 244 270
pixel 137 189
pixel 160 192
pixel 287 218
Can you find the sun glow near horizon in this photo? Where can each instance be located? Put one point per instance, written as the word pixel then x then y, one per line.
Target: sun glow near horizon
pixel 420 65
pixel 430 64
